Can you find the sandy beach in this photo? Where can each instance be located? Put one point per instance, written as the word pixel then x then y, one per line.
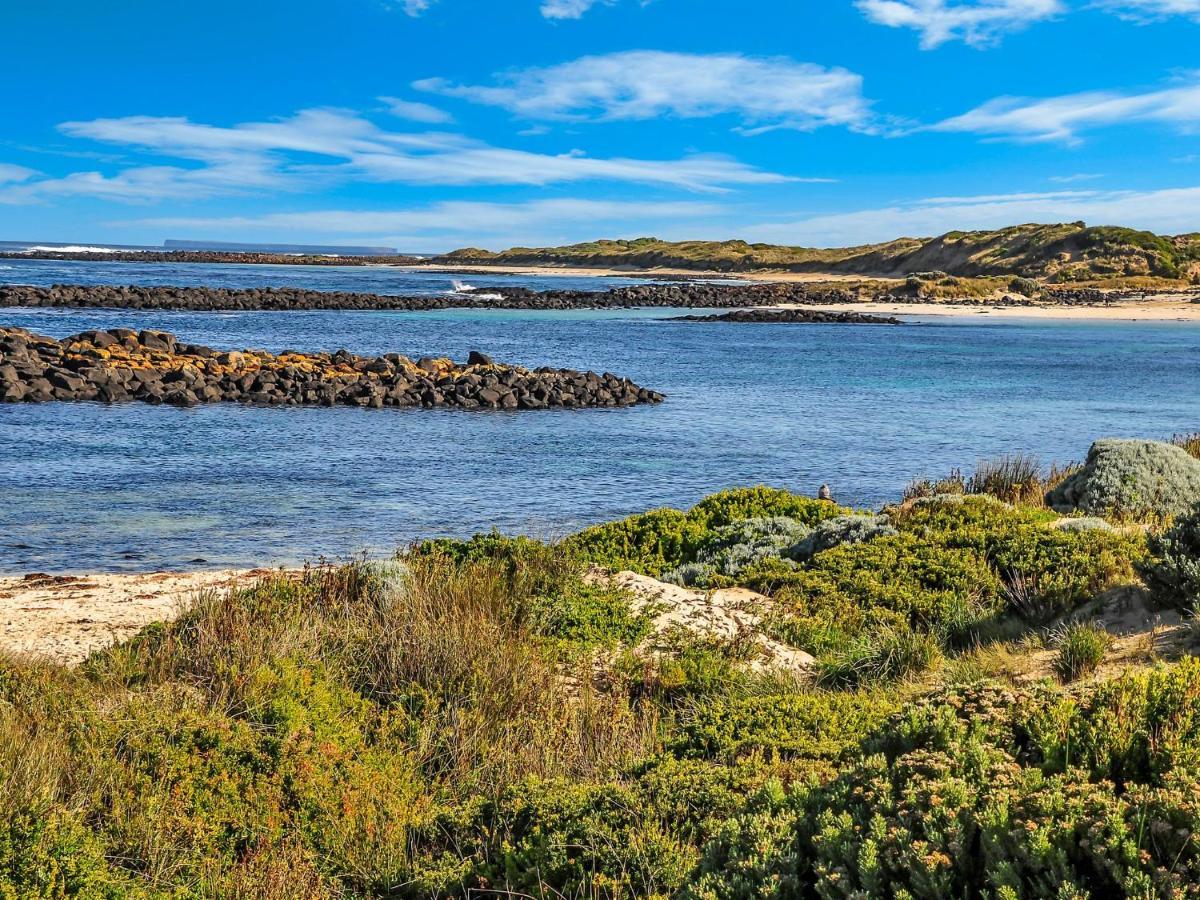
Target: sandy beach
pixel 1150 310
pixel 63 618
pixel 635 272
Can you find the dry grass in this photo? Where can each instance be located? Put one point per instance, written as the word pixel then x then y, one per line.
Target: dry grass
pixel 1189 442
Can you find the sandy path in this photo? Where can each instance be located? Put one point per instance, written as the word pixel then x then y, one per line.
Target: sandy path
pixel 66 617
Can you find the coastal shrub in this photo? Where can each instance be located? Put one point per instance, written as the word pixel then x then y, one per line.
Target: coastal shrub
pixel 730 549
pixel 1026 287
pixel 895 581
pixel 806 724
pixel 1131 479
pixel 1057 570
pixel 852 529
pixel 1173 570
pixel 1085 523
pixel 658 541
pixel 1081 648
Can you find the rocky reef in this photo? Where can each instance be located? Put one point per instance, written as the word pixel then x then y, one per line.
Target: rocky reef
pixel 792 316
pixel 156 367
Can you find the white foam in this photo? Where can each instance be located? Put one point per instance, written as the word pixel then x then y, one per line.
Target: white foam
pixel 461 287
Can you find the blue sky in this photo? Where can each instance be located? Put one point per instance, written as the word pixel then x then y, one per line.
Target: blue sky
pixel 434 124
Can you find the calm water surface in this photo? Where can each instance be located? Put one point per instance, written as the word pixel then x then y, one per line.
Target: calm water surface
pixel 863 408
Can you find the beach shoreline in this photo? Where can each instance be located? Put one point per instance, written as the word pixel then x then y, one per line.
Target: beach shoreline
pixel 1125 311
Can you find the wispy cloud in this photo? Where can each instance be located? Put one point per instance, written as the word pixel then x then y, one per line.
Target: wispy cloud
pixel 979 23
pixel 1076 178
pixel 10 173
pixel 568 9
pixel 279 156
pixel 452 224
pixel 1170 211
pixel 415 8
pixel 416 112
pixel 1064 118
pixel 1147 10
pixel 769 92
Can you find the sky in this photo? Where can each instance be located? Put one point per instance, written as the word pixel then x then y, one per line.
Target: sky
pixel 429 125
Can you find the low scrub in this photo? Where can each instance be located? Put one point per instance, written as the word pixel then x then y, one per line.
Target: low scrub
pixel 1173 570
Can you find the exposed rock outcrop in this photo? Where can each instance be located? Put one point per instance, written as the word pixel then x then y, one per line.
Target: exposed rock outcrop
pixel 156 367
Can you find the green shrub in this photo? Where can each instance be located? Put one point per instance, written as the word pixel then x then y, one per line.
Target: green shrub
pixel 1081 649
pixel 808 724
pixel 1131 479
pixel 664 539
pixel 1173 571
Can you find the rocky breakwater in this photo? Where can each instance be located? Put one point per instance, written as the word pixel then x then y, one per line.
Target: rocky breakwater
pixel 791 316
pixel 155 367
pixel 202 299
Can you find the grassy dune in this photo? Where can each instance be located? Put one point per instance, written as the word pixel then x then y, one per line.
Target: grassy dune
pixel 495 718
pixel 1066 253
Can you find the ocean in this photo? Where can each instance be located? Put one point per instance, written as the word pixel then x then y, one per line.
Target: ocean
pixel 862 408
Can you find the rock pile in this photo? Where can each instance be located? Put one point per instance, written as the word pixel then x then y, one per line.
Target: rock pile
pixel 155 367
pixel 792 316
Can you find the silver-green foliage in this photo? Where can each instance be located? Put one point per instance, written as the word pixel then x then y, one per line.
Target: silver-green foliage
pixel 732 548
pixel 1131 479
pixel 1085 523
pixel 852 529
pixel 1173 573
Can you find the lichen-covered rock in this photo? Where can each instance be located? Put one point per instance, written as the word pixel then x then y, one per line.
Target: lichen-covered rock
pixel 1129 478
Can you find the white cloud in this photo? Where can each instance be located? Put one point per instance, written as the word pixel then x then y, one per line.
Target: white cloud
pixel 452 224
pixel 1063 118
pixel 416 112
pixel 279 156
pixel 566 9
pixel 1143 10
pixel 1171 211
pixel 977 23
pixel 10 173
pixel 414 8
pixel 1073 179
pixel 771 92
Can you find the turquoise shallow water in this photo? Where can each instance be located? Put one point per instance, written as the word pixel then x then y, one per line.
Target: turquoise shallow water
pixel 862 408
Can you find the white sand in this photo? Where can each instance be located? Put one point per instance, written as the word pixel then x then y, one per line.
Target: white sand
pixel 66 617
pixel 727 614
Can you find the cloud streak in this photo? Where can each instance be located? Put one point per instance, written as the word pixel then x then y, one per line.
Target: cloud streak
pixel 1065 118
pixel 319 147
pixel 637 85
